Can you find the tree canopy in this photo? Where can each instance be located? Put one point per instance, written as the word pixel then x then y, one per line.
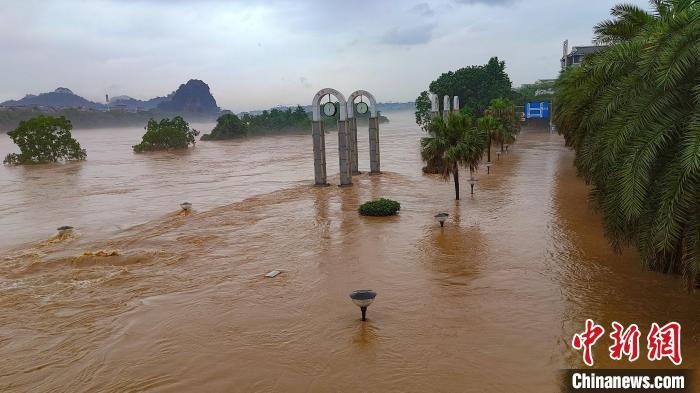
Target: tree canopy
pixel 278 120
pixel 423 110
pixel 227 126
pixel 44 139
pixel 166 134
pixel 632 113
pixel 505 119
pixel 452 144
pixel 475 85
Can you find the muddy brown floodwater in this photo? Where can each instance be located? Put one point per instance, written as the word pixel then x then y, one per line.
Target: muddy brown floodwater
pixel 145 299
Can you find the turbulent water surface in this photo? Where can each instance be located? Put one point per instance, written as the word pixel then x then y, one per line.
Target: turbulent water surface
pixel 144 298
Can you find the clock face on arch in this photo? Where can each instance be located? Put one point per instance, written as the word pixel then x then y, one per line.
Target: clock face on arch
pixel 362 108
pixel 329 109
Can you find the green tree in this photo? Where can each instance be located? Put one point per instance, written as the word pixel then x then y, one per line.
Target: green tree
pixel 227 126
pixel 423 110
pixel 632 114
pixel 476 86
pixel 453 144
pixel 166 134
pixel 507 122
pixel 44 139
pixel 535 92
pixel 489 125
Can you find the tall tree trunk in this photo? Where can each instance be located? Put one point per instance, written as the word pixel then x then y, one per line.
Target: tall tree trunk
pixel 489 151
pixel 455 174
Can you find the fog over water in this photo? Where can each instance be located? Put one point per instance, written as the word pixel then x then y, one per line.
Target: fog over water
pixel 144 298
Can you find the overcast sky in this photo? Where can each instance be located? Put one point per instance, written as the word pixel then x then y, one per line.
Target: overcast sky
pixel 257 54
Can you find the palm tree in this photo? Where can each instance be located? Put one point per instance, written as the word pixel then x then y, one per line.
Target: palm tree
pixel 632 114
pixel 488 124
pixel 503 111
pixel 453 144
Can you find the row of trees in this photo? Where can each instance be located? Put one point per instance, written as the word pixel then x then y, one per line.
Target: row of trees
pixel 632 114
pixel 460 142
pixel 230 126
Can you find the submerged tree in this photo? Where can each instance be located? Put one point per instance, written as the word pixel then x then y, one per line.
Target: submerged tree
pixel 167 134
pixel 227 126
pixel 453 144
pixel 507 124
pixel 632 114
pixel 489 125
pixel 44 139
pixel 475 86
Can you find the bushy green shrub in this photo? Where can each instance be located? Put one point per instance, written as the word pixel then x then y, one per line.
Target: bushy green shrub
pixel 380 207
pixel 44 139
pixel 166 134
pixel 228 126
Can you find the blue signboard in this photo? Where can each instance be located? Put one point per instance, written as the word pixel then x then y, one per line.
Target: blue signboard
pixel 537 110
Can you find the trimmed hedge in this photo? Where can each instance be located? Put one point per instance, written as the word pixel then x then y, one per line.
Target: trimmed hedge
pixel 379 208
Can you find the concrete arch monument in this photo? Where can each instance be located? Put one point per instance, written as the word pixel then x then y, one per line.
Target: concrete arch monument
pixel 319 138
pixel 374 159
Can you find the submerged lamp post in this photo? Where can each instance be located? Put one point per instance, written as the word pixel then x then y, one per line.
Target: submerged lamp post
pixel 441 217
pixel 472 181
pixel 488 167
pixel 362 299
pixel 186 206
pixel 64 230
pixel 498 155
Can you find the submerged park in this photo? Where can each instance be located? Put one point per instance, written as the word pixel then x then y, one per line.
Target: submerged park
pixel 476 232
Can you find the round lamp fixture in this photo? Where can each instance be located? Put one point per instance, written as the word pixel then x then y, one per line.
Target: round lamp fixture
pixel 64 230
pixel 362 299
pixel 441 218
pixel 186 206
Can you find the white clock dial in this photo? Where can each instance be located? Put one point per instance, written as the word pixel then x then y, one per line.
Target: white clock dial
pixel 362 108
pixel 329 109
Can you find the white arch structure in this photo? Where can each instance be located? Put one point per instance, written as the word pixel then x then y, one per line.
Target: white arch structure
pixel 318 134
pixel 373 133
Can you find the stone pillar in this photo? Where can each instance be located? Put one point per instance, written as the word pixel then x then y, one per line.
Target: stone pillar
pixel 319 137
pixel 344 153
pixel 455 104
pixel 374 145
pixel 434 107
pixel 352 143
pixel 445 107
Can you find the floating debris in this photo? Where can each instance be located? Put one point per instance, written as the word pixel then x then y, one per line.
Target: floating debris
pixel 273 274
pixel 101 253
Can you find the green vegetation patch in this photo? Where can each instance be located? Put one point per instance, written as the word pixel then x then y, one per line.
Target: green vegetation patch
pixel 166 134
pixel 380 208
pixel 44 139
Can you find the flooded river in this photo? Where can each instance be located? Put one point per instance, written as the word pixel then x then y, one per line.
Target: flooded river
pixel 144 298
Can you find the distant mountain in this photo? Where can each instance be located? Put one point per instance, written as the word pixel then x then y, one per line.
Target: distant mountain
pixel 191 97
pixel 59 98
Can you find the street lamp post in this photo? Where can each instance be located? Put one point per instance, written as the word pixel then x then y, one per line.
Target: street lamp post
pixel 363 298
